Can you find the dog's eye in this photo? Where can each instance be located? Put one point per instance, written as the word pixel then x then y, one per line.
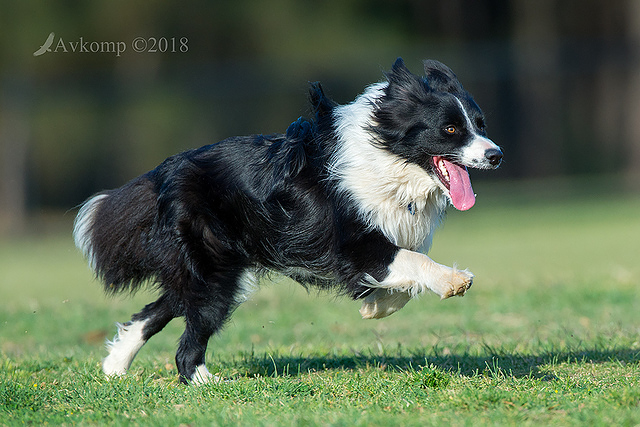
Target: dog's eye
pixel 450 129
pixel 480 124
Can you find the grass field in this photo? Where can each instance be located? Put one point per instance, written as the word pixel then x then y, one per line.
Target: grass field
pixel 549 333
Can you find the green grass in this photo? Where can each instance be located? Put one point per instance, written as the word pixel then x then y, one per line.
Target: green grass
pixel 548 334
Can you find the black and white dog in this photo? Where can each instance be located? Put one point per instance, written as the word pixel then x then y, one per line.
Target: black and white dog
pixel 341 202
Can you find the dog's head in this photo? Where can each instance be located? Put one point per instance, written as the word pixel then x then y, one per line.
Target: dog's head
pixel 433 122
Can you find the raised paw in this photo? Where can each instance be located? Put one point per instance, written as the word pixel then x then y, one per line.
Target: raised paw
pixel 460 282
pixel 383 302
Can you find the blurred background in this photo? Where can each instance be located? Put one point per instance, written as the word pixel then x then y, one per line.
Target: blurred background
pixel 559 82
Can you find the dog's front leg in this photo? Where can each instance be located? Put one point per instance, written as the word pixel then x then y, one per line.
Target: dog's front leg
pixel 414 273
pixel 410 274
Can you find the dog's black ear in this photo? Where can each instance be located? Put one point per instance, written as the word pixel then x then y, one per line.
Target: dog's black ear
pixel 403 82
pixel 440 77
pixel 399 72
pixel 399 65
pixel 322 105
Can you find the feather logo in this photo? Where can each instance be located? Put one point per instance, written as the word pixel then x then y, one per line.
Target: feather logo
pixel 46 47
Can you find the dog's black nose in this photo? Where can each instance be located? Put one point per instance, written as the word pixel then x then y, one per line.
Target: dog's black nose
pixel 494 156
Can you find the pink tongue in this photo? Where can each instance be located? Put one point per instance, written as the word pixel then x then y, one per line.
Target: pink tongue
pixel 462 195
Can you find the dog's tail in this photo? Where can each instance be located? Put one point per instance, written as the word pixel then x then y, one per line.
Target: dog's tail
pixel 115 231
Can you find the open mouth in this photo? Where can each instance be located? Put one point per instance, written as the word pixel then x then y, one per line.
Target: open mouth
pixel 455 179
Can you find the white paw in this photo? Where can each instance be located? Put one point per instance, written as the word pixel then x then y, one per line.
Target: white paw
pixel 123 348
pixel 383 302
pixel 203 376
pixel 457 284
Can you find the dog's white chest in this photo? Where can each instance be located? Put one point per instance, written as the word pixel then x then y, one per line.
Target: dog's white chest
pixel 410 226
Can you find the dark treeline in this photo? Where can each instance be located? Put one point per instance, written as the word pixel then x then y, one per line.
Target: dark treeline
pixel 559 80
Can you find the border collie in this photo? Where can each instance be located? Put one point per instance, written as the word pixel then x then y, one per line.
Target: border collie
pixel 347 202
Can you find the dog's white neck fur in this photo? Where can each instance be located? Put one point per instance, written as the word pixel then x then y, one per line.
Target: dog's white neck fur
pixel 399 198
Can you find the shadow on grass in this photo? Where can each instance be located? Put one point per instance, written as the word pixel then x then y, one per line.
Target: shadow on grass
pixel 491 363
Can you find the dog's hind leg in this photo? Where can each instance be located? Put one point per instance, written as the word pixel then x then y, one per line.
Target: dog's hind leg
pixel 134 334
pixel 205 314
